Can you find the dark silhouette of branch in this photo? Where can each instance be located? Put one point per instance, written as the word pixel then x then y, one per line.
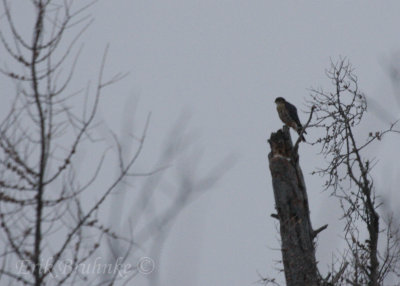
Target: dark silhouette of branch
pixel 349 173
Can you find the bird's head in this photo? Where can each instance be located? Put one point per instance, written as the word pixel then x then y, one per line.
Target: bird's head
pixel 279 100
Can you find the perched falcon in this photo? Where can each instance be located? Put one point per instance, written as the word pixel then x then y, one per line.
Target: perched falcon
pixel 288 114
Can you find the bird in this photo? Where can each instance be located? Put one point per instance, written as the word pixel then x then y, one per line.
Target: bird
pixel 288 114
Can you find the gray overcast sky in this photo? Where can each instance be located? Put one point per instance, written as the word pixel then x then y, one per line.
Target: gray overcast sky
pixel 225 62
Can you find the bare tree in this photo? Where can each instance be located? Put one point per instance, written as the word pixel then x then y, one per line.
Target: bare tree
pixel 366 261
pixel 49 215
pixel 349 176
pixel 40 196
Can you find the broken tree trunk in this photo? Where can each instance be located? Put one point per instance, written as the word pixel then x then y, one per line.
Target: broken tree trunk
pixel 298 251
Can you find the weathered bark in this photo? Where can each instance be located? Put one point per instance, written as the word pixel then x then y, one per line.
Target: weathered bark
pixel 298 251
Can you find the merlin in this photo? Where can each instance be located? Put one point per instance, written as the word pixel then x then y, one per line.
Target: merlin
pixel 288 114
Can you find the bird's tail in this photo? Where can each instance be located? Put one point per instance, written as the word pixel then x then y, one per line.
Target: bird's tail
pixel 299 129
